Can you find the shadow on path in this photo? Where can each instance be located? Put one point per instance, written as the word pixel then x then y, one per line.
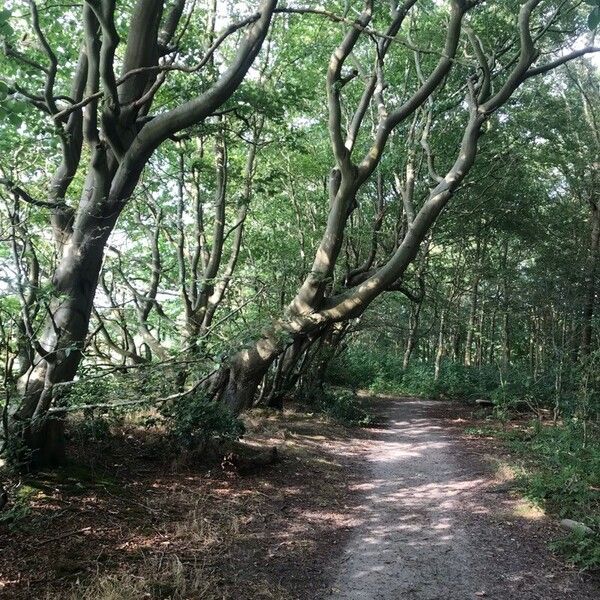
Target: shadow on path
pixel 434 525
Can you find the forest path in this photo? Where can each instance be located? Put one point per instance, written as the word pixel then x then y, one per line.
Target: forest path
pixel 434 523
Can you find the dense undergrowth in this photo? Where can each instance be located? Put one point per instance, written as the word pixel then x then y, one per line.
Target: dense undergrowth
pixel 558 453
pixel 382 373
pixel 558 469
pixel 576 393
pixel 343 406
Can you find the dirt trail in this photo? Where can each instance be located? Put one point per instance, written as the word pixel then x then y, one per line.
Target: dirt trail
pixel 435 525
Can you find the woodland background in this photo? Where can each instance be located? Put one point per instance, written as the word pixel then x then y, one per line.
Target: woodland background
pixel 208 207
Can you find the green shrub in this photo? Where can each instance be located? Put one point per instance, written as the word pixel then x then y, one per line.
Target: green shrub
pixel 586 401
pixel 362 367
pixel 19 507
pixel 418 380
pixel 192 422
pixel 580 549
pixel 99 390
pixel 561 473
pixel 93 426
pixel 343 406
pixel 520 391
pixel 567 470
pixel 381 384
pixel 16 454
pixel 381 372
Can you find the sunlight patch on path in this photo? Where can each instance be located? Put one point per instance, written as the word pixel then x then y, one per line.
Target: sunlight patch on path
pixel 427 529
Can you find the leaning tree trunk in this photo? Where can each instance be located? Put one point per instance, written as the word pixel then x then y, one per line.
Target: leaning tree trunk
pixel 120 145
pixel 245 371
pixel 318 303
pixel 287 373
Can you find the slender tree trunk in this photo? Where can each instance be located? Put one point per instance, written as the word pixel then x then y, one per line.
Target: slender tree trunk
pixel 456 343
pixel 471 323
pixel 505 341
pixel 492 347
pixel 332 338
pixel 505 317
pixel 474 301
pixel 590 291
pixel 284 379
pixel 479 342
pixel 532 341
pixel 440 346
pixel 413 328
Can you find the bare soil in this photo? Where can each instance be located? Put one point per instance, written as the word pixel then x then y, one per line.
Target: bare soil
pixel 410 509
pixel 126 522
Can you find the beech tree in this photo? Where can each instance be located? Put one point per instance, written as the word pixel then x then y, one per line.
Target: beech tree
pixel 134 103
pixel 105 121
pixel 483 84
pixel 507 291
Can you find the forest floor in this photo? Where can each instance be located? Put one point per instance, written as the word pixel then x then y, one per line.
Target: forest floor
pixel 413 508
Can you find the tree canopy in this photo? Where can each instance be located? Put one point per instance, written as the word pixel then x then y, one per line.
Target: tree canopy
pixel 199 201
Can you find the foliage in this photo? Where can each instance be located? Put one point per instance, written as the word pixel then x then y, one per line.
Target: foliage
pixel 585 404
pixel 519 390
pixel 455 382
pixel 20 506
pixel 381 372
pixel 345 407
pixel 567 482
pixel 197 216
pixel 362 366
pixel 257 167
pixel 580 549
pixel 560 471
pixel 594 16
pixel 192 422
pixel 16 453
pixel 92 427
pixel 514 390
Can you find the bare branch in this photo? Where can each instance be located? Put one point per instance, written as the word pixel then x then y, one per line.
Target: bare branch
pixel 52 69
pixel 560 61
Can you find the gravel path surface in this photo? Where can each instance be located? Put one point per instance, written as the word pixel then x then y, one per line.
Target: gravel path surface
pixel 434 524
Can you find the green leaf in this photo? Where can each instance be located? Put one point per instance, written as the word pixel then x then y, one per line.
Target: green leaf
pixel 18 106
pixel 5 29
pixel 15 119
pixel 594 18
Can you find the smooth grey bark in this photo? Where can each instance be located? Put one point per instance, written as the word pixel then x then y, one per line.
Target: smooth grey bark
pixel 439 353
pixel 118 156
pixel 474 305
pixel 591 292
pixel 205 279
pixel 411 340
pixel 312 310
